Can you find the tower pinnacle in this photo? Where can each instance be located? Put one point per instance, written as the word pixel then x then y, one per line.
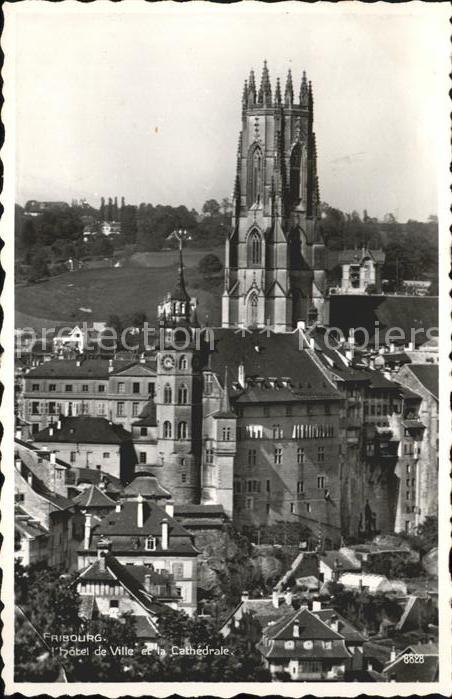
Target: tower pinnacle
pixel 265 90
pixel 288 95
pixel 277 92
pixel 304 91
pixel 251 90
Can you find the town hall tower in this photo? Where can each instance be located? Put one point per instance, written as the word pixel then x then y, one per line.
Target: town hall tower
pixel 275 257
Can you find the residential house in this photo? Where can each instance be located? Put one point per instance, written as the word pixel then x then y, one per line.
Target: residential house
pixel 139 532
pixel 426 669
pixel 91 442
pixel 312 645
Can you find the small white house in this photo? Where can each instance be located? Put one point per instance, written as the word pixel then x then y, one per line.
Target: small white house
pixel 374 584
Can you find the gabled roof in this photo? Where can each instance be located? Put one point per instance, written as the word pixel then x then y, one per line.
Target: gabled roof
pixel 137 369
pixel 428 376
pixel 311 627
pixel 39 487
pixel 84 430
pixel 93 497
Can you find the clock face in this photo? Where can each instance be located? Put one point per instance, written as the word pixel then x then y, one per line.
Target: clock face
pixel 167 361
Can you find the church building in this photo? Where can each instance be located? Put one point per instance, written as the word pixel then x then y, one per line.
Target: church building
pixel 275 270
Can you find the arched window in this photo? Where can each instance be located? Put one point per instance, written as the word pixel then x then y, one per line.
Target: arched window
pixel 254 249
pixel 251 311
pixel 182 395
pixel 167 431
pixel 182 430
pixel 255 167
pixel 150 543
pixel 295 174
pixel 167 394
pixel 183 362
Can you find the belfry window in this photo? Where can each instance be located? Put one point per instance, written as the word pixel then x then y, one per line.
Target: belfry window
pixel 167 430
pixel 182 395
pixel 182 430
pixel 295 174
pixel 254 249
pixel 167 394
pixel 255 176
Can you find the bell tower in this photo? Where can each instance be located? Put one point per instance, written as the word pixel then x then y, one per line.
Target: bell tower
pixel 274 265
pixel 178 392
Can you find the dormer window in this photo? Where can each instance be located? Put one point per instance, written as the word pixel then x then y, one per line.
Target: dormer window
pixel 289 645
pixel 308 645
pixel 150 543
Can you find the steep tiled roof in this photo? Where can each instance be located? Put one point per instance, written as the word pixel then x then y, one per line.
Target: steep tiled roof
pixel 311 627
pixel 89 369
pixel 428 375
pixel 349 632
pixel 277 356
pixel 124 523
pixel 146 484
pixel 84 430
pixel 91 475
pixel 93 497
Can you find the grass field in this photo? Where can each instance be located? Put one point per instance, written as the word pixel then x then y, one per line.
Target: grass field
pixel 120 290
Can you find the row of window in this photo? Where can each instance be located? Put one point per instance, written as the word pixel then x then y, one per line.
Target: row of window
pixel 182 395
pixel 180 433
pixel 87 388
pixel 305 409
pixel 255 486
pixel 298 432
pixel 74 409
pixel 249 505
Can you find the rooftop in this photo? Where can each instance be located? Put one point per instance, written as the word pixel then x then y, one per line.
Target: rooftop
pixel 428 375
pixel 84 430
pixel 93 497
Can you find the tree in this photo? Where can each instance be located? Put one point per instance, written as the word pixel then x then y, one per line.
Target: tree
pixel 39 268
pixel 226 206
pixel 210 264
pixel 29 237
pixel 211 208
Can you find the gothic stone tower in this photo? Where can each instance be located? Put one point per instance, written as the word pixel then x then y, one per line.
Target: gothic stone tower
pixel 274 268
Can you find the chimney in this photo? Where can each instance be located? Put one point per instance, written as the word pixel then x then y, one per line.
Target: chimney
pixel 165 534
pixel 18 463
pixel 140 513
pixel 245 596
pixel 371 363
pixel 370 667
pixel 288 598
pixel 147 582
pixel 169 508
pixel 118 507
pixel 391 347
pixel 296 630
pixel 53 458
pixel 335 623
pixel 410 347
pixel 51 431
pixel 393 655
pixel 30 478
pixel 311 343
pixel 87 535
pixel 316 605
pixel 101 559
pixel 110 366
pixel 78 362
pixel 275 598
pixel 18 432
pixel 241 375
pixel 301 325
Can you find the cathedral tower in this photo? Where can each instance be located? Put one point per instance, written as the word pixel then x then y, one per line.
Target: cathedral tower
pixel 274 268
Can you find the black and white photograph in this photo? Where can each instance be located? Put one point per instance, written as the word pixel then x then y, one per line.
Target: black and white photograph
pixel 226 335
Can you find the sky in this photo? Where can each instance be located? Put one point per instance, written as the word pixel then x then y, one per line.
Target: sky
pixel 144 101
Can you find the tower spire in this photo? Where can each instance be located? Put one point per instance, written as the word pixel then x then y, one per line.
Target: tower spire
pixel 288 95
pixel 265 90
pixel 245 95
pixel 304 91
pixel 251 90
pixel 278 93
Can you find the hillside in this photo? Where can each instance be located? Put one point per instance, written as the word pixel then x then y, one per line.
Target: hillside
pixel 121 291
